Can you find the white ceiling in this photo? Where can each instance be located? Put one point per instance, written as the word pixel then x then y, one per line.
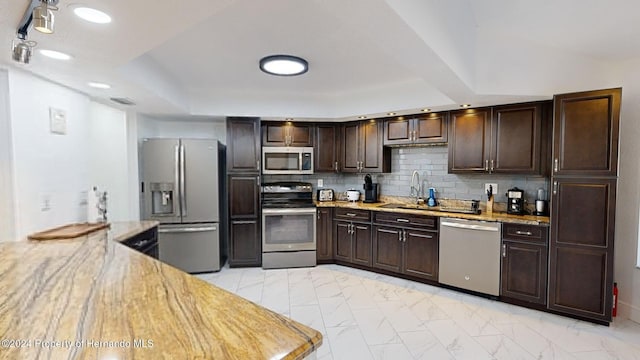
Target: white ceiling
pixel 366 57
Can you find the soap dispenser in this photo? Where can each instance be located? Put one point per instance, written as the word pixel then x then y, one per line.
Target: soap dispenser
pixel 432 197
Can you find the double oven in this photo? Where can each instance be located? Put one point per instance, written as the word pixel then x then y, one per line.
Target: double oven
pixel 288 225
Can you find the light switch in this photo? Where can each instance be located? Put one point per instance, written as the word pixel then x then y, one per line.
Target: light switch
pixel 57 121
pixel 320 183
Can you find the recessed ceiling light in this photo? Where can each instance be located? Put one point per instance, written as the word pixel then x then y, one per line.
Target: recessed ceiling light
pixel 362 117
pixel 55 54
pixel 465 105
pixel 284 65
pixel 99 85
pixel 426 110
pixel 391 113
pixel 92 15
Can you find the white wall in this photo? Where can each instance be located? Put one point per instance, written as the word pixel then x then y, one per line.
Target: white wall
pixel 108 158
pixel 6 165
pixel 59 169
pixel 628 200
pixel 195 128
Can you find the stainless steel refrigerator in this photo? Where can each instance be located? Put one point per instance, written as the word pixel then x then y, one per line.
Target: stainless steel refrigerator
pixel 181 183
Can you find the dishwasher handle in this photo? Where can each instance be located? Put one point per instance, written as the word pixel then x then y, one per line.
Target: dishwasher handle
pixel 469 226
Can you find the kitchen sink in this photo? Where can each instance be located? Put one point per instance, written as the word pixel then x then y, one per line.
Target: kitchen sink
pixel 407 206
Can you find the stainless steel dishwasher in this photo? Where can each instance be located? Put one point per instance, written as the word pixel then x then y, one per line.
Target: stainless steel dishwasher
pixel 470 255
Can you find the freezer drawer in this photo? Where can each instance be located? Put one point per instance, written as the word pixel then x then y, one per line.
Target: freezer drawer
pixel 470 255
pixel 192 248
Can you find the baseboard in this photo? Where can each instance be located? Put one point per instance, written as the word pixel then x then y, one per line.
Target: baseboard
pixel 628 311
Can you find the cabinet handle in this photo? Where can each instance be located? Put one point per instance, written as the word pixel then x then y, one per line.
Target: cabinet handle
pixel 486 165
pixel 415 135
pixel 421 236
pixel 258 165
pixel 504 250
pixel 528 233
pixel 402 220
pixel 555 165
pixel 491 166
pixel 400 235
pixel 318 215
pixel 555 188
pixel 335 166
pixel 404 235
pixel 351 214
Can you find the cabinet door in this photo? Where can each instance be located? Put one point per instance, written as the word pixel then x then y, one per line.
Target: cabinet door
pixel 581 248
pixel 524 272
pixel 243 145
pixel 274 134
pixel 342 241
pixel 469 140
pixel 586 133
pixel 421 254
pixel 398 131
pixel 326 150
pixel 245 247
pixel 516 144
pixel 431 128
pixel 387 248
pixel 374 157
pixel 324 251
pixel 301 135
pixel 350 147
pixel 244 196
pixel 361 245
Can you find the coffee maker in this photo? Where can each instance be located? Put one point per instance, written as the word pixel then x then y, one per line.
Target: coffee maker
pixel 542 206
pixel 515 201
pixel 370 190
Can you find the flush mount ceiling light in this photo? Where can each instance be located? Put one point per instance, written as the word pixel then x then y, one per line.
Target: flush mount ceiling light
pixel 99 85
pixel 21 50
pixel 43 18
pixel 55 54
pixel 284 65
pixel 92 15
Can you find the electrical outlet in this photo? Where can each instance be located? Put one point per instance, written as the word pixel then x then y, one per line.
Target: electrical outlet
pixel 494 188
pixel 45 202
pixel 320 183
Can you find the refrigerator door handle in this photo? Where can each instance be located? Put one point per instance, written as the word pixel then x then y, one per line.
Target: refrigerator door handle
pixel 188 229
pixel 183 193
pixel 176 159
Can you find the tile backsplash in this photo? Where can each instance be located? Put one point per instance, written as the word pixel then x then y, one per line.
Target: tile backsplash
pixel 431 164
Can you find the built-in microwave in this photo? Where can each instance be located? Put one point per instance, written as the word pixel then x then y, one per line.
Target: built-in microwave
pixel 287 160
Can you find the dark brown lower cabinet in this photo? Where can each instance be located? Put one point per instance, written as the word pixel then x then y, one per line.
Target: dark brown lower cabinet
pixel 245 248
pixel 581 248
pixel 245 241
pixel 524 263
pixel 352 242
pixel 406 251
pixel 324 243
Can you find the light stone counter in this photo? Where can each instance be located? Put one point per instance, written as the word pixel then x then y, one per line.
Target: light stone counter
pixel 425 210
pixel 93 298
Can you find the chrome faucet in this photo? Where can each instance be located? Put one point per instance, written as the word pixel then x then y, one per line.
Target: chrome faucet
pixel 415 185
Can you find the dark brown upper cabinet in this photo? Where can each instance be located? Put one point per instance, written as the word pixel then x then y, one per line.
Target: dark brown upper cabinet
pixel 415 130
pixel 586 133
pixel 469 140
pixel 506 139
pixel 362 147
pixel 326 152
pixel 243 145
pixel 287 134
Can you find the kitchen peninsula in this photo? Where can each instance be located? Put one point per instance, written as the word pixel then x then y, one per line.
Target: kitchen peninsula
pixel 93 298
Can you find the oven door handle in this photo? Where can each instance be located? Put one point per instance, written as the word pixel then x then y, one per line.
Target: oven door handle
pixel 292 211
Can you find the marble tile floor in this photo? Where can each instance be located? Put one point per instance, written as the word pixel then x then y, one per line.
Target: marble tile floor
pixel 364 315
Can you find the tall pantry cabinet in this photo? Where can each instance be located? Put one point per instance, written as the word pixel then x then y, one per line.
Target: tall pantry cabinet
pixel 583 181
pixel 243 182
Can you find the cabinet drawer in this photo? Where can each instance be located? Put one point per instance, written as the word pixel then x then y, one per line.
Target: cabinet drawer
pixel 530 233
pixel 353 214
pixel 407 220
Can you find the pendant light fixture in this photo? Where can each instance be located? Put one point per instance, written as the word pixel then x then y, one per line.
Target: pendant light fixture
pixel 21 50
pixel 43 18
pixel 284 65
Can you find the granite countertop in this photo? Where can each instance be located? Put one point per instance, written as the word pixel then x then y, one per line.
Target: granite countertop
pixel 93 298
pixel 424 210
